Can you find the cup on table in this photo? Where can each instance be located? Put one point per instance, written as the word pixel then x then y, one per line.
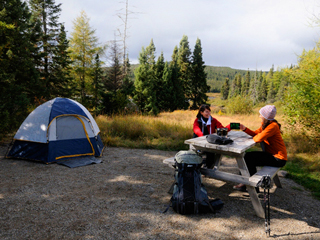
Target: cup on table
pixel 222 132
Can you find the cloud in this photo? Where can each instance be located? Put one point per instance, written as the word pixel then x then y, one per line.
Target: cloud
pixel 240 34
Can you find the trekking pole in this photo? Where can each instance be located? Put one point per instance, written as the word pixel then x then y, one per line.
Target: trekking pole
pixel 268 230
pixel 265 210
pixel 265 183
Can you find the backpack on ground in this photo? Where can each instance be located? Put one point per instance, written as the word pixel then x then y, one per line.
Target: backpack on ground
pixel 189 194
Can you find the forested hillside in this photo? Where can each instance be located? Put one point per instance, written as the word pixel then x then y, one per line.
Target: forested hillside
pixel 215 75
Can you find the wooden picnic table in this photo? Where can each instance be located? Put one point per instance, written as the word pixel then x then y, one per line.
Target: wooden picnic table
pixel 241 142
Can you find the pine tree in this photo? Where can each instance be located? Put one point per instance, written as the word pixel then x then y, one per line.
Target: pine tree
pixel 144 95
pixel 254 89
pixel 271 93
pixel 128 85
pixel 61 82
pixel 225 89
pixel 46 12
pixel 263 90
pixel 180 101
pixel 97 84
pixel 167 95
pixel 184 64
pixel 84 47
pixel 246 84
pixel 283 86
pixel 114 73
pixel 158 81
pixel 235 88
pixel 198 83
pixel 18 52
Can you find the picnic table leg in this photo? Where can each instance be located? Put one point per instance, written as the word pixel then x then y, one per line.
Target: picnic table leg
pixel 217 161
pixel 276 181
pixel 251 190
pixel 242 166
pixel 255 201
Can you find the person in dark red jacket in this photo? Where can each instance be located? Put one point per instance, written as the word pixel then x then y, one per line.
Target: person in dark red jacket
pixel 204 125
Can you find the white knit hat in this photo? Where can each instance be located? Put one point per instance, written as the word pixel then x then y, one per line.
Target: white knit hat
pixel 268 112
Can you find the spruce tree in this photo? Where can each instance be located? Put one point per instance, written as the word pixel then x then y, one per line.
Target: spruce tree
pixel 263 90
pixel 225 89
pixel 180 101
pixel 271 93
pixel 198 83
pixel 97 84
pixel 112 96
pixel 144 95
pixel 128 84
pixel 184 64
pixel 246 84
pixel 61 82
pixel 235 88
pixel 254 89
pixel 158 82
pixel 47 13
pixel 19 79
pixel 114 75
pixel 168 97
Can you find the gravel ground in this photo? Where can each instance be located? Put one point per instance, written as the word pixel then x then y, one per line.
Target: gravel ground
pixel 122 198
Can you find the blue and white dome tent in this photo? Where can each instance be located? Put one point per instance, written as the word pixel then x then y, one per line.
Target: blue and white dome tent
pixel 56 130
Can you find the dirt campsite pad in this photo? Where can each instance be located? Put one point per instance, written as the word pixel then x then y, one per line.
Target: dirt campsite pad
pixel 123 197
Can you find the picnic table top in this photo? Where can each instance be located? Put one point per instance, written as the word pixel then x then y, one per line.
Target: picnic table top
pixel 241 142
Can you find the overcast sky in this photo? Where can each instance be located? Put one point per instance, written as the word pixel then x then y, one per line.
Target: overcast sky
pixel 241 34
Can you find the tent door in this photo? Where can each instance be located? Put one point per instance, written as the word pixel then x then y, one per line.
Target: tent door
pixel 68 137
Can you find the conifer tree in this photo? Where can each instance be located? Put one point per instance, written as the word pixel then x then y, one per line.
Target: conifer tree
pixel 128 85
pixel 158 81
pixel 168 97
pixel 46 12
pixel 84 47
pixel 112 96
pixel 271 93
pixel 270 74
pixel 235 88
pixel 184 64
pixel 263 90
pixel 144 95
pixel 198 83
pixel 283 86
pixel 97 84
pixel 114 73
pixel 246 84
pixel 180 101
pixel 254 89
pixel 225 89
pixel 61 82
pixel 18 52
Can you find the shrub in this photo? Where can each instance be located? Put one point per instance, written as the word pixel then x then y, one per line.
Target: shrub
pixel 303 94
pixel 239 105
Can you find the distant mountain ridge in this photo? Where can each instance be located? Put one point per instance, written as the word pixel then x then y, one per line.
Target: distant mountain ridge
pixel 215 75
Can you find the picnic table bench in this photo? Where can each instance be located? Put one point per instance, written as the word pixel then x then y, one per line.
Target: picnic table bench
pixel 241 142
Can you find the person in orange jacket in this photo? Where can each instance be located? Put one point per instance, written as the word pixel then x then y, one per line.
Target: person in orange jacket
pixel 204 125
pixel 269 135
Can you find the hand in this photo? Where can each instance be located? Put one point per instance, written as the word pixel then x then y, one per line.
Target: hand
pixel 242 127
